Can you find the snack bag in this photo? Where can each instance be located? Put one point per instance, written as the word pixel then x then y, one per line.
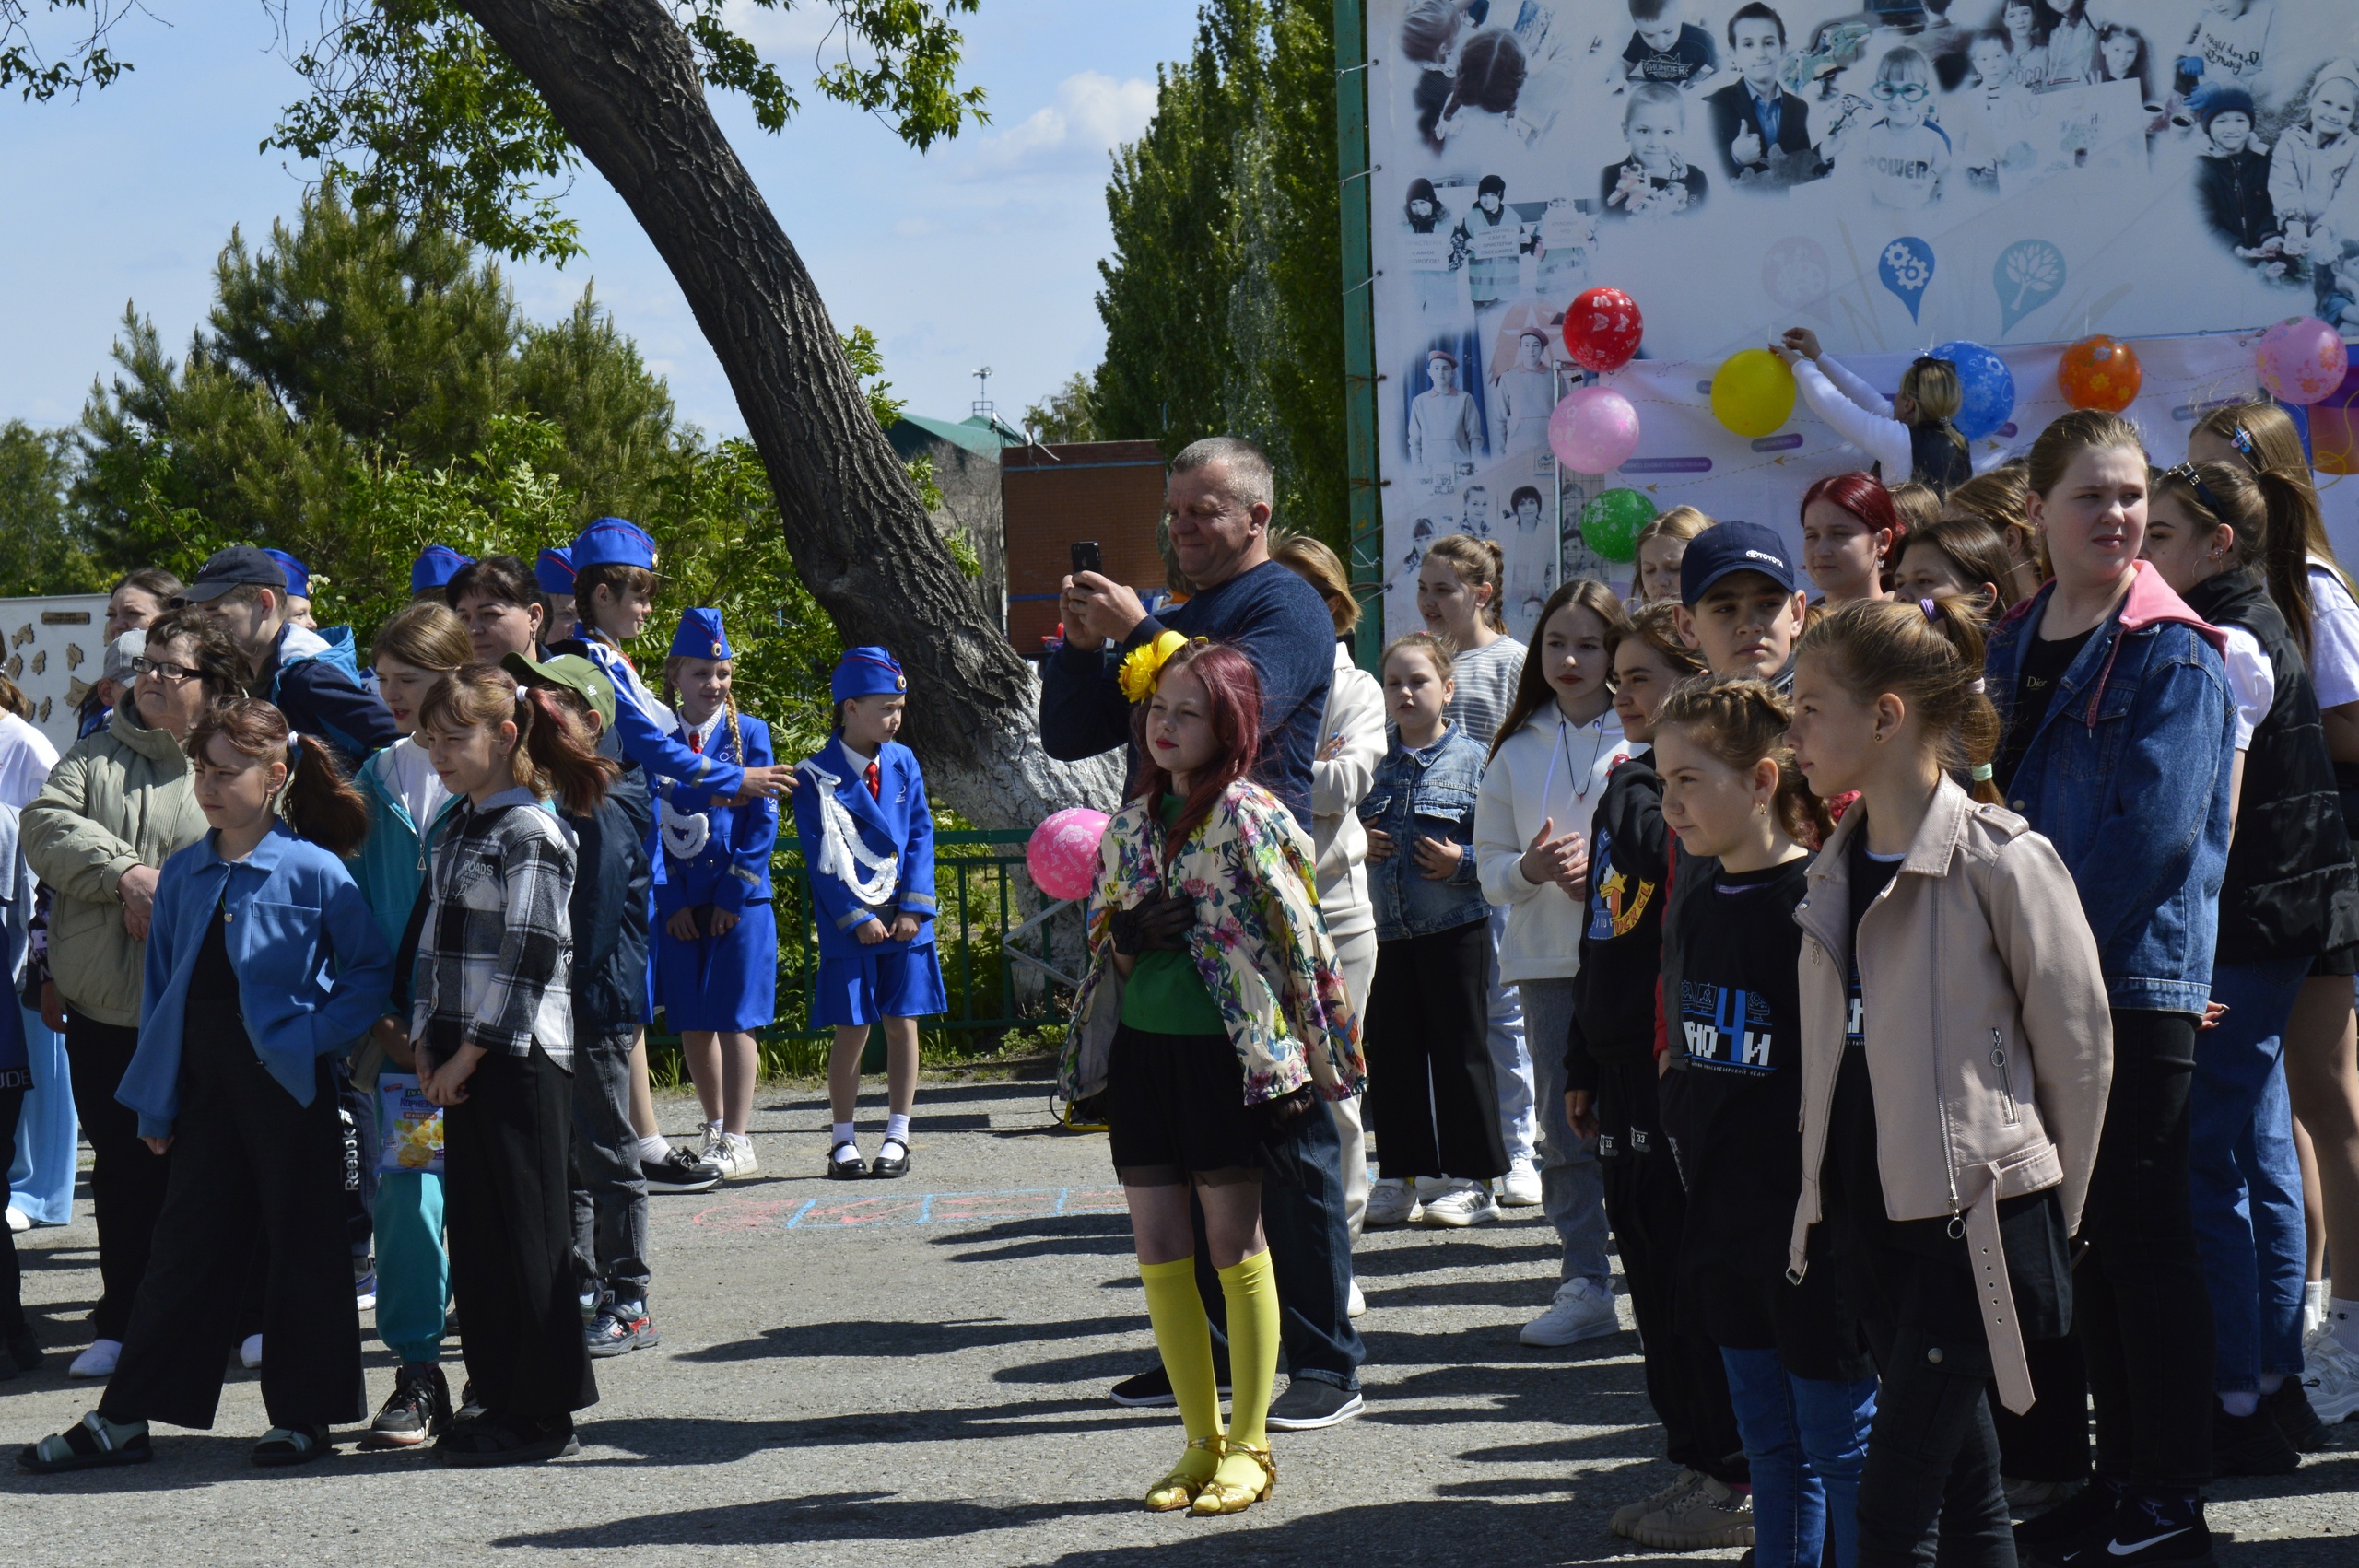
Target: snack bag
pixel 413 1140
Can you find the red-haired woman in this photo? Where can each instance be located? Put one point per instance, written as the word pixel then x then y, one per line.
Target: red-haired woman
pixel 1214 1017
pixel 1852 535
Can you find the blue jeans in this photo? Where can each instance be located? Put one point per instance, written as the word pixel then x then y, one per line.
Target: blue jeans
pixel 1310 1251
pixel 1805 1441
pixel 2245 1179
pixel 1572 1184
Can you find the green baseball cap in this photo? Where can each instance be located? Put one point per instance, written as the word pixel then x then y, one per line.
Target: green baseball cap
pixel 570 670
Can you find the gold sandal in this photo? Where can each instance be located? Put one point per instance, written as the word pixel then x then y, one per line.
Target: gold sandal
pixel 1179 1490
pixel 1226 1498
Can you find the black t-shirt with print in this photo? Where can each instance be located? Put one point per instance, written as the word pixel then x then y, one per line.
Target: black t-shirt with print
pixel 2044 666
pixel 1691 53
pixel 1733 1109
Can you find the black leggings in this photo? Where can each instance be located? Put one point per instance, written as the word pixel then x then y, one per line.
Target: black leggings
pixel 1932 1454
pixel 126 1180
pixel 1433 1102
pixel 12 1294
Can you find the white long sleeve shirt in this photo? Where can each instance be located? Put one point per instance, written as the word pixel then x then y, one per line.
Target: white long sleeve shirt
pixel 1551 770
pixel 1338 785
pixel 1857 412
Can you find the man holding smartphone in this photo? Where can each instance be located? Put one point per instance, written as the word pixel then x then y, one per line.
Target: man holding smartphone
pixel 1217 499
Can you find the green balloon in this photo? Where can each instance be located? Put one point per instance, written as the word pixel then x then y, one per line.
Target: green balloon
pixel 1610 522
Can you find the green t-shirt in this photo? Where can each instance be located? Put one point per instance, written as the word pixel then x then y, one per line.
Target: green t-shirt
pixel 1164 995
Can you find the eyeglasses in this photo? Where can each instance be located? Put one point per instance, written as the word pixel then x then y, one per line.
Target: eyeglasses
pixel 164 669
pixel 2195 481
pixel 1906 92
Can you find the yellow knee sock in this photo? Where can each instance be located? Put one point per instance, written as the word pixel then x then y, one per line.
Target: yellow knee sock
pixel 1251 1291
pixel 1185 1337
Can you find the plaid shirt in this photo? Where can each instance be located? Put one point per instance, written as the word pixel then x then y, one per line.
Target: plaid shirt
pixel 495 960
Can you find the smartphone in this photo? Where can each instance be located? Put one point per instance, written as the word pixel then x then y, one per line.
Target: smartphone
pixel 1087 557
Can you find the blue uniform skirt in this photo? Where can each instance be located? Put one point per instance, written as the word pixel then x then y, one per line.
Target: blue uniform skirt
pixel 725 984
pixel 878 983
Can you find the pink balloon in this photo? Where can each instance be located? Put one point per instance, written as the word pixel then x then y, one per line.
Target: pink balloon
pixel 1063 855
pixel 1595 430
pixel 2303 360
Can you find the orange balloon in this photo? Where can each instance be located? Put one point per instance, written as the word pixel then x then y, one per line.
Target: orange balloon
pixel 2100 372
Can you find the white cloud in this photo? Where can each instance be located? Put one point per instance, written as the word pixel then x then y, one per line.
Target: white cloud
pixel 1094 113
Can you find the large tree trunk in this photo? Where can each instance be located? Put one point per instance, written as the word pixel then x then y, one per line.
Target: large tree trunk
pixel 620 78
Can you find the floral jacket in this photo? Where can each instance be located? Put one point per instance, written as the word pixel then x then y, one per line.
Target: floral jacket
pixel 1259 943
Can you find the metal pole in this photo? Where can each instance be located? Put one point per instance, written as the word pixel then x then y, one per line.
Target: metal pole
pixel 1367 516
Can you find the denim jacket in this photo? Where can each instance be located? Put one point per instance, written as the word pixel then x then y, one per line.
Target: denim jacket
pixel 2128 776
pixel 1427 793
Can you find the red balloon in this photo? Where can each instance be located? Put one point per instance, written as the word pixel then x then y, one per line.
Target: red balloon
pixel 1602 327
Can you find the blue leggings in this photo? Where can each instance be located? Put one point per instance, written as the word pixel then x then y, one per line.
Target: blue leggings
pixel 1805 1441
pixel 413 1271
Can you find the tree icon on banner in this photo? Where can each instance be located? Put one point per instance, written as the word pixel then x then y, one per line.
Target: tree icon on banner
pixel 2030 273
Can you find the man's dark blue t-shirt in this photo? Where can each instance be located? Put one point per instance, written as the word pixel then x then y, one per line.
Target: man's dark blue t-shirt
pixel 1268 613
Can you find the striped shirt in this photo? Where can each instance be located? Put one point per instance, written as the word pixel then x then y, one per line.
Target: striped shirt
pixel 495 959
pixel 1486 678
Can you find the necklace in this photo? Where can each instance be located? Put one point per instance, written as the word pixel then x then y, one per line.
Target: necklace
pixel 1583 778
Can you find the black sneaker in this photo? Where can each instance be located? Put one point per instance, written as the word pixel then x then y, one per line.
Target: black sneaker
pixel 1152 1387
pixel 2250 1446
pixel 680 1171
pixel 2290 1408
pixel 2087 1511
pixel 621 1327
pixel 20 1351
pixel 2149 1532
pixel 470 1407
pixel 419 1409
pixel 1309 1404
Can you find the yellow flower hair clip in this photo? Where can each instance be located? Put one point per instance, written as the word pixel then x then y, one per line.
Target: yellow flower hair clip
pixel 1142 665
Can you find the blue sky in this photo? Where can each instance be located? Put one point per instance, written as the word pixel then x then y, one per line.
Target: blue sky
pixel 983 251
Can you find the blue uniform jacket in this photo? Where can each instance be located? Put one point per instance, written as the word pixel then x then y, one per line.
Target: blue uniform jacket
pixel 313 973
pixel 897 823
pixel 732 869
pixel 639 729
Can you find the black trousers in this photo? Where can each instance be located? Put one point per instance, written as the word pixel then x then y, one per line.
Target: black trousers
pixel 1433 1102
pixel 506 1191
pixel 2142 1310
pixel 127 1180
pixel 1932 1454
pixel 245 1158
pixel 12 1284
pixel 1687 1381
pixel 2050 1441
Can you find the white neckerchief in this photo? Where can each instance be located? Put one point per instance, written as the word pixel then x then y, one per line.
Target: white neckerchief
pixel 842 852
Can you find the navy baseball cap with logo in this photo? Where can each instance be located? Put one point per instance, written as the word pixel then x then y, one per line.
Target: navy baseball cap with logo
pixel 240 565
pixel 1732 547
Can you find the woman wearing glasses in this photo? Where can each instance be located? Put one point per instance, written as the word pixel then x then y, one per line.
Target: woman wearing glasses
pixel 1914 436
pixel 116 807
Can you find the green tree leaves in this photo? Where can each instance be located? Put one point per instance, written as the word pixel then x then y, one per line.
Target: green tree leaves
pixel 43 546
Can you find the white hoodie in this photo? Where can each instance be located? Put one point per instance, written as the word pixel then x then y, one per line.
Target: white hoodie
pixel 1338 785
pixel 1550 769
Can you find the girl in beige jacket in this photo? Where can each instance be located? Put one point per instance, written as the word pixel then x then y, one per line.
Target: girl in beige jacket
pixel 1956 1053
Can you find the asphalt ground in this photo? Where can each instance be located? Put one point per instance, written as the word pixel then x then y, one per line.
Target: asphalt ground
pixel 915 1373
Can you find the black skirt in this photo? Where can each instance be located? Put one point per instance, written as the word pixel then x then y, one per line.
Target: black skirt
pixel 1176 1108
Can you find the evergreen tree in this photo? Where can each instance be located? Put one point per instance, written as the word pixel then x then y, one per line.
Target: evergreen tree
pixel 44 548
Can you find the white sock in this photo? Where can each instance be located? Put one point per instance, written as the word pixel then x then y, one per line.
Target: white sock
pixel 2342 1322
pixel 2240 1403
pixel 653 1150
pixel 843 1136
pixel 2313 1304
pixel 897 1128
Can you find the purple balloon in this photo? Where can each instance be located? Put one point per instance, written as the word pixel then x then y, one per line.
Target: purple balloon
pixel 1595 430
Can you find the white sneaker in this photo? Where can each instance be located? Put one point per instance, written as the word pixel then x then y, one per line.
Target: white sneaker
pixel 1458 1203
pixel 1357 1305
pixel 1581 1312
pixel 1709 1514
pixel 2330 1378
pixel 18 1221
pixel 738 1151
pixel 249 1353
pixel 1626 1518
pixel 97 1361
pixel 1520 1188
pixel 1390 1201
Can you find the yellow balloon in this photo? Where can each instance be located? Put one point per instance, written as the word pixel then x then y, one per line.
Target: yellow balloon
pixel 1753 393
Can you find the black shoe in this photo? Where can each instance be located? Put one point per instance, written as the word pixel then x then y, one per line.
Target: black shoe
pixel 1309 1404
pixel 680 1171
pixel 505 1440
pixel 419 1407
pixel 20 1351
pixel 2250 1446
pixel 2087 1511
pixel 470 1407
pixel 2149 1532
pixel 887 1166
pixel 621 1327
pixel 1152 1387
pixel 850 1167
pixel 2290 1408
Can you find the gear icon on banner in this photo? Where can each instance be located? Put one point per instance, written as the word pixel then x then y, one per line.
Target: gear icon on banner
pixel 1908 266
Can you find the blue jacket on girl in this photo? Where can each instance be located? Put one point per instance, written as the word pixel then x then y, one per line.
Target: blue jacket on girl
pixel 313 972
pixel 2128 776
pixel 894 828
pixel 730 865
pixel 1425 794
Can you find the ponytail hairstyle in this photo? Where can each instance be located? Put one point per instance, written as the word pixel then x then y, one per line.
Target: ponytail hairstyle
pixel 1917 506
pixel 426 635
pixel 1234 693
pixel 555 757
pixel 2264 511
pixel 728 706
pixel 2265 437
pixel 317 801
pixel 1933 386
pixel 2263 433
pixel 1532 690
pixel 1477 562
pixel 1657 625
pixel 1741 721
pixel 1975 551
pixel 1929 654
pixel 1490 73
pixel 1998 498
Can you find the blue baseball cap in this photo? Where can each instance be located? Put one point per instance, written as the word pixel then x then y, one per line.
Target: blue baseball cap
pixel 868 672
pixel 554 569
pixel 1732 547
pixel 299 575
pixel 240 565
pixel 612 542
pixel 436 565
pixel 700 636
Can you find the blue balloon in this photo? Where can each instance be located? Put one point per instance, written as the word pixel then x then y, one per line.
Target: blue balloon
pixel 1988 385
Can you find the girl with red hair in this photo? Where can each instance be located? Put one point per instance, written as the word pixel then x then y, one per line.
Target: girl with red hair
pixel 1851 533
pixel 1214 1019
